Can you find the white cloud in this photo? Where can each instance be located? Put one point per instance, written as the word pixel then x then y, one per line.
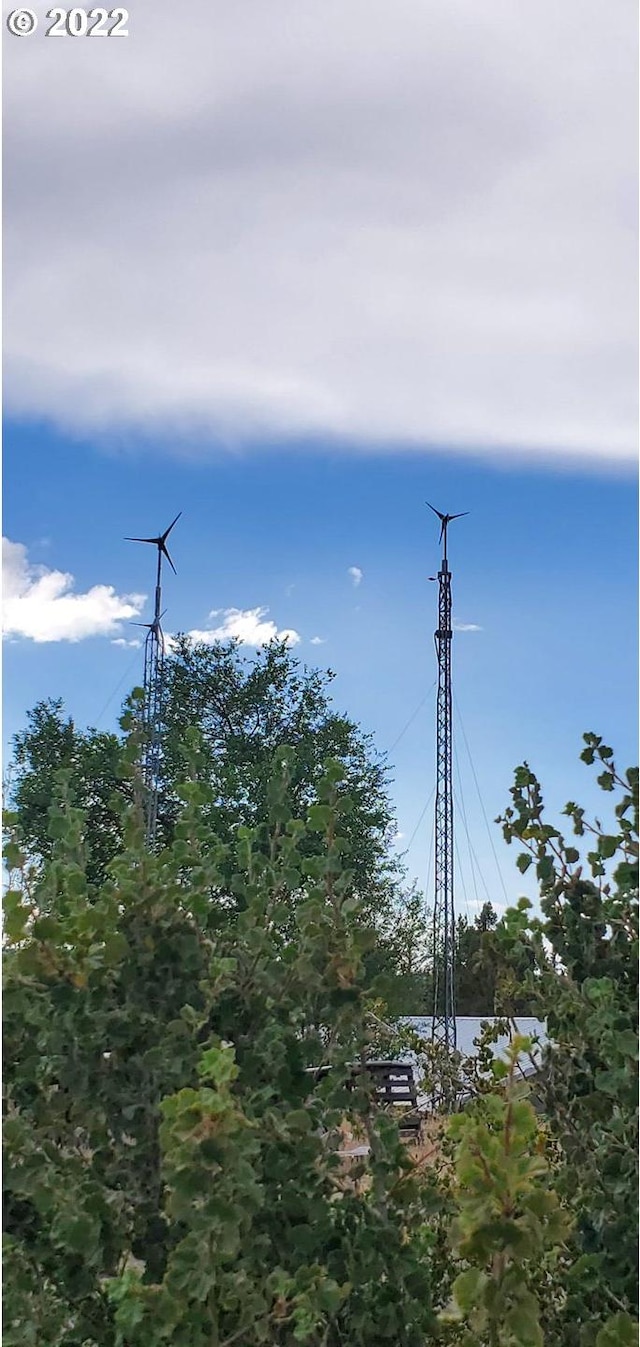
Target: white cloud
pixel 39 603
pixel 466 626
pixel 127 645
pixel 318 640
pixel 402 223
pixel 356 575
pixel 249 626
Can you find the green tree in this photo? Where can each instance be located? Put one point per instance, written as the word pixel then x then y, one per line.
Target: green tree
pixel 170 1149
pixel 509 1227
pixel 584 982
pixel 400 964
pixel 486 983
pixel 475 975
pixel 92 758
pixel 245 709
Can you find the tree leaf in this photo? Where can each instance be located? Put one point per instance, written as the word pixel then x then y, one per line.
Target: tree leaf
pixel 468 1287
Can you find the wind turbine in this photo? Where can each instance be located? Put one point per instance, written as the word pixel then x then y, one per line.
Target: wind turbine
pixel 154 650
pixel 150 626
pixel 445 520
pixel 161 543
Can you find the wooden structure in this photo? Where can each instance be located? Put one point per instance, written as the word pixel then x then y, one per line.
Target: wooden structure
pixel 394 1087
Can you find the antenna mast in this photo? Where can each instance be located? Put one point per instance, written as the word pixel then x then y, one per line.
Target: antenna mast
pixel 153 705
pixel 443 1023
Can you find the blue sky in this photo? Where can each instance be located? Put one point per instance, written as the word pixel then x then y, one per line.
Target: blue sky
pixel 295 270
pixel 544 565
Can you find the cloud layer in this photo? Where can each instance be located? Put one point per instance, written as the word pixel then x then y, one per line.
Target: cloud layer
pixel 249 626
pixel 40 604
pixel 409 223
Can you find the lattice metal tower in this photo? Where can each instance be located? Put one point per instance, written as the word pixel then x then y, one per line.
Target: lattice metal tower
pixel 443 1023
pixel 153 705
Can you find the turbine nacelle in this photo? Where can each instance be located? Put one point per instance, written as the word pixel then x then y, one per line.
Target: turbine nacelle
pixel 150 626
pixel 445 520
pixel 160 542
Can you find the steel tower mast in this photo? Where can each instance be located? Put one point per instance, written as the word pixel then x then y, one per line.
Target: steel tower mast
pixel 443 1022
pixel 153 704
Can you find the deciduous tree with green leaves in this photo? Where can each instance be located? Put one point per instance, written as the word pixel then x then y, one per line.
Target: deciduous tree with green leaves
pixel 171 1161
pixel 510 1227
pixel 244 708
pixel 92 758
pixel 584 982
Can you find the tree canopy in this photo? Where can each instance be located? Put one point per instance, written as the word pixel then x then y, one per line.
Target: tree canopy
pixel 244 710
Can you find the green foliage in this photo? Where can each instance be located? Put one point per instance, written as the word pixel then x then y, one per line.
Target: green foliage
pixel 620 1331
pixel 510 1226
pixel 584 979
pixel 172 1169
pixel 474 972
pixel 93 761
pixel 486 982
pixel 171 1162
pixel 244 710
pixel 400 965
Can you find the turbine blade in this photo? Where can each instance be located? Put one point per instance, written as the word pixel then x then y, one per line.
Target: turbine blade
pixel 166 533
pixel 432 507
pixel 142 540
pixel 459 516
pixel 166 554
